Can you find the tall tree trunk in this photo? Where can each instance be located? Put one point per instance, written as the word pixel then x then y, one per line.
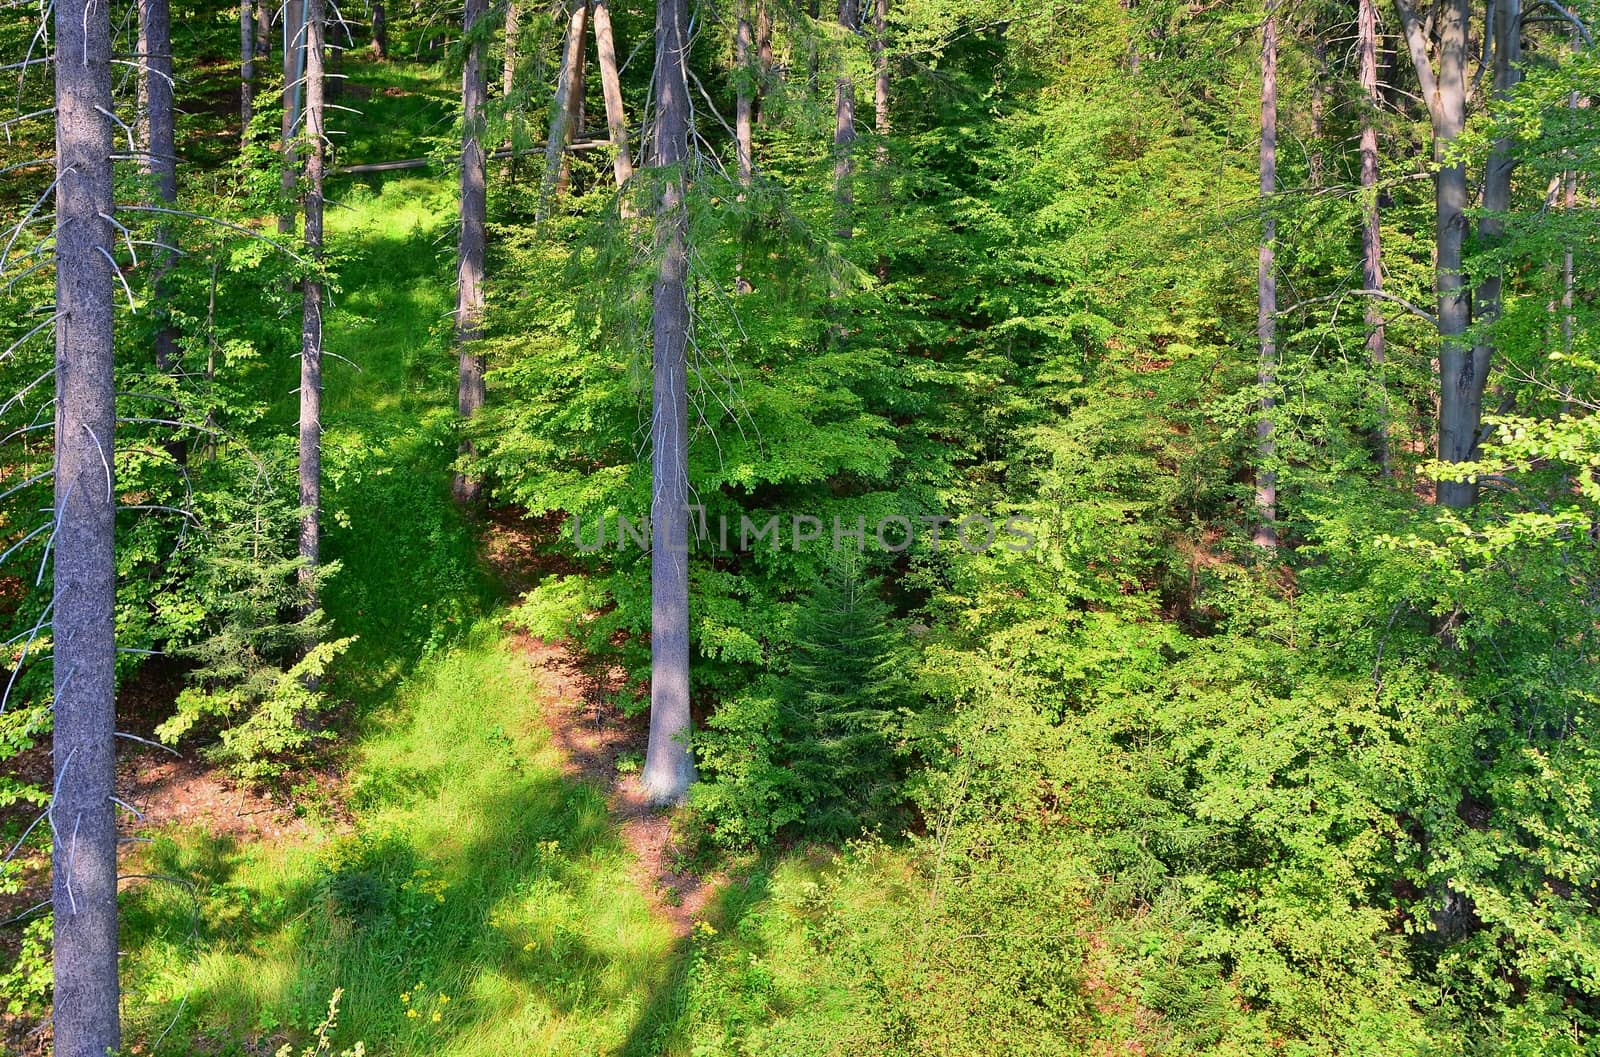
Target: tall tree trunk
pixel 1461 381
pixel 155 34
pixel 1371 242
pixel 508 67
pixel 575 103
pixel 247 70
pixel 563 107
pixel 380 32
pixel 1266 533
pixel 611 89
pixel 1319 94
pixel 311 318
pixel 263 34
pixel 880 68
pixel 744 95
pixel 470 246
pixel 764 57
pixel 1506 33
pixel 1569 201
pixel 84 853
pixel 294 39
pixel 669 766
pixel 844 132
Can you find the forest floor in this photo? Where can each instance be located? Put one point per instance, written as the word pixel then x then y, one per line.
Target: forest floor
pixel 472 867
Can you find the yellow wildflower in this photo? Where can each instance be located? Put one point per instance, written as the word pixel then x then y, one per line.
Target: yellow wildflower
pixel 412 1013
pixel 436 1016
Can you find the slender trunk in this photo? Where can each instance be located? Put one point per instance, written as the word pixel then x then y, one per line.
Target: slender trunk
pixel 575 100
pixel 470 247
pixel 84 852
pixel 311 319
pixel 611 89
pixel 1461 382
pixel 764 58
pixel 1371 243
pixel 744 92
pixel 508 69
pixel 1319 93
pixel 844 133
pixel 669 766
pixel 1266 533
pixel 562 107
pixel 1507 36
pixel 380 32
pixel 263 33
pixel 155 32
pixel 247 70
pixel 880 67
pixel 294 37
pixel 1569 201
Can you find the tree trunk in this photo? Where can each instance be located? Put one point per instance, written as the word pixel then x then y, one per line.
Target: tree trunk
pixel 1461 380
pixel 669 766
pixel 247 70
pixel 155 33
pixel 1266 533
pixel 880 66
pixel 311 319
pixel 294 35
pixel 508 67
pixel 1371 242
pixel 84 853
pixel 1507 37
pixel 562 108
pixel 263 32
pixel 744 91
pixel 380 32
pixel 470 247
pixel 764 58
pixel 611 89
pixel 844 132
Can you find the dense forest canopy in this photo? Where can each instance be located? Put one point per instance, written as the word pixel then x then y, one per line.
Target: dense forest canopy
pixel 913 527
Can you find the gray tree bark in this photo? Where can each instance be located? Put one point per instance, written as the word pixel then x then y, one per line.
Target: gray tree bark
pixel 247 69
pixel 470 246
pixel 844 133
pixel 84 852
pixel 1506 33
pixel 611 89
pixel 293 75
pixel 1461 376
pixel 880 67
pixel 669 766
pixel 508 65
pixel 161 161
pixel 310 466
pixel 1371 240
pixel 1266 533
pixel 263 32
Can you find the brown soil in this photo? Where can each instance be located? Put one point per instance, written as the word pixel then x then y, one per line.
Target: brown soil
pixel 593 735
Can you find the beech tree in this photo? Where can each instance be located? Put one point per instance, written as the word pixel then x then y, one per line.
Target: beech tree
pixel 611 89
pixel 83 887
pixel 470 242
pixel 669 766
pixel 566 109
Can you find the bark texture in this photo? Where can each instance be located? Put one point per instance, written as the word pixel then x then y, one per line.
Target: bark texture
pixel 564 108
pixel 247 69
pixel 1461 376
pixel 611 88
pixel 380 31
pixel 1266 533
pixel 84 852
pixel 669 767
pixel 294 38
pixel 1371 240
pixel 311 318
pixel 844 133
pixel 470 245
pixel 744 96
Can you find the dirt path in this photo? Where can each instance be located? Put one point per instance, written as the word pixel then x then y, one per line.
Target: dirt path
pixel 592 735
